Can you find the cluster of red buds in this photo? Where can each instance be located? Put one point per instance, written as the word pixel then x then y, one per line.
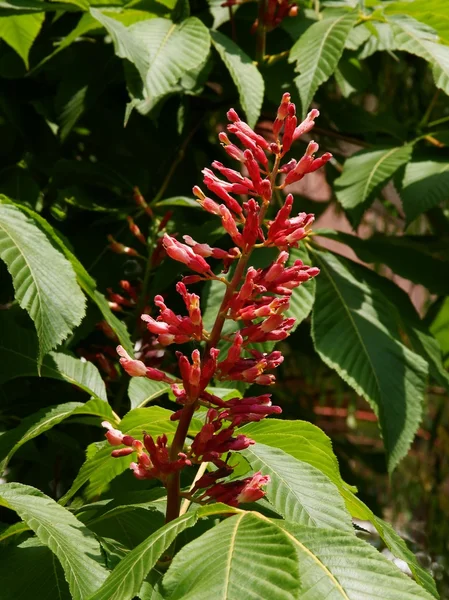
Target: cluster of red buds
pixel 275 12
pixel 257 299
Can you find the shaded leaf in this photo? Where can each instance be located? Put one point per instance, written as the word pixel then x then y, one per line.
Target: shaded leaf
pixel 43 420
pixel 74 545
pixel 425 185
pixel 365 173
pixel 355 333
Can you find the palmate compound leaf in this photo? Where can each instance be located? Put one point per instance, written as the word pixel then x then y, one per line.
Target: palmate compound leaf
pixel 364 174
pixel 355 333
pixel 85 281
pixel 339 566
pixel 126 579
pixel 100 469
pixel 44 280
pixel 45 419
pixel 74 545
pixel 317 53
pixel 297 490
pixel 245 556
pixel 244 73
pixel 162 52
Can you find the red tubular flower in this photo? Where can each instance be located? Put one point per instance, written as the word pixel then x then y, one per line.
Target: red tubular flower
pixel 259 302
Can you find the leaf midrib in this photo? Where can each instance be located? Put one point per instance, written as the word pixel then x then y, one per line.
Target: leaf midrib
pixel 375 167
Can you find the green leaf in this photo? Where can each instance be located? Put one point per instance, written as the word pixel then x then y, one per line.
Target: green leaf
pixel 245 556
pixel 440 329
pixel 300 439
pixel 162 51
pixel 299 491
pixel 410 257
pixel 44 280
pixel 317 53
pixel 431 12
pixel 42 572
pixel 141 391
pixel 383 40
pixel 100 468
pixel 74 545
pixel 303 297
pixel 365 173
pixel 244 73
pixel 127 577
pixel 420 40
pixel 85 281
pixel 355 333
pixel 43 420
pixel 18 356
pixel 425 185
pixel 20 31
pixel 334 564
pixel 179 201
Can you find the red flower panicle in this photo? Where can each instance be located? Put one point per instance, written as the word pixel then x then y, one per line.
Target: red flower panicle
pixel 256 299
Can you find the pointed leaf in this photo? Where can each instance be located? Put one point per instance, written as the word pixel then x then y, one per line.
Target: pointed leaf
pixel 245 556
pixel 44 280
pixel 45 419
pixel 298 491
pixel 127 577
pixel 365 173
pixel 141 391
pixel 317 53
pixel 162 51
pixel 431 12
pixel 425 185
pixel 74 545
pixel 244 73
pixel 355 333
pixel 85 281
pixel 20 31
pixel 300 439
pixel 336 565
pixel 420 40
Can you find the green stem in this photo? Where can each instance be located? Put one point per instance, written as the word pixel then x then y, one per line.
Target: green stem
pixel 261 32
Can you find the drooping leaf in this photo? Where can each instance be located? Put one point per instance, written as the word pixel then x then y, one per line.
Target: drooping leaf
pixel 355 333
pixel 141 391
pixel 425 185
pixel 45 419
pixel 43 572
pixel 20 31
pixel 19 358
pixel 300 439
pixel 421 40
pixel 179 201
pixel 317 53
pixel 74 545
pixel 100 468
pixel 365 173
pixel 299 491
pixel 245 556
pixel 431 12
pixel 334 564
pixel 162 52
pixel 383 40
pixel 85 281
pixel 244 73
pixel 44 280
pixel 127 577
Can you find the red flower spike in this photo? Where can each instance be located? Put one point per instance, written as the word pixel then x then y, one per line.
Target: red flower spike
pixel 114 436
pixel 289 129
pixel 221 189
pixel 235 492
pixel 251 228
pixel 230 225
pixel 120 248
pixel 135 230
pixel 135 368
pixel 307 124
pixel 252 491
pixel 121 452
pixel 246 129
